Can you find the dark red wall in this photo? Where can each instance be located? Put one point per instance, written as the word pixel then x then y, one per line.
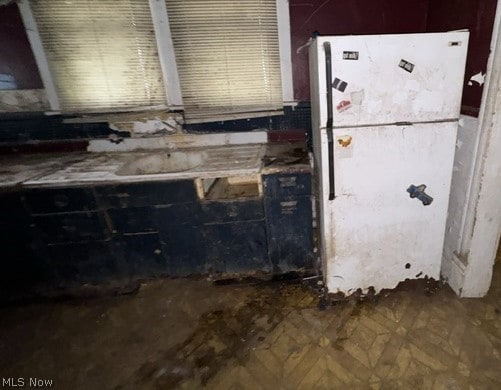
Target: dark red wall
pixel 394 16
pixel 478 17
pixel 347 17
pixel 16 57
pixel 328 17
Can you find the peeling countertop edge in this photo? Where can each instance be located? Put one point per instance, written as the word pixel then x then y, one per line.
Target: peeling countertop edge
pixel 116 179
pixel 36 180
pixel 56 161
pixel 286 168
pixel 187 175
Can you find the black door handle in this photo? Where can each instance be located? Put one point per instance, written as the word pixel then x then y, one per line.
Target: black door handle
pixel 418 192
pixel 330 137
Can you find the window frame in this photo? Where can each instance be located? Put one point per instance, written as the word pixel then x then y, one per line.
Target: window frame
pixel 166 55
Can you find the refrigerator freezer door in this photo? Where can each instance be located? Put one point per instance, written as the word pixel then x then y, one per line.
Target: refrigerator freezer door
pixel 374 233
pixel 383 79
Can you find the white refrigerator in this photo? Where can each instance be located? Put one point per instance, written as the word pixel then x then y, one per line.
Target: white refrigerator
pixel 385 112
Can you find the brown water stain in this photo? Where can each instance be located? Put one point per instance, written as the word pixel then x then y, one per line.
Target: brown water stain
pixel 225 335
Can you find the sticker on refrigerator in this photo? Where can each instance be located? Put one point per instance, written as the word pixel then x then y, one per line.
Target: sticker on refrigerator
pixel 340 85
pixel 344 146
pixel 406 65
pixel 343 105
pixel 344 141
pixel 350 55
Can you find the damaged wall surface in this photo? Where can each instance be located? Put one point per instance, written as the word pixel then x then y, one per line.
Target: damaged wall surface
pixel 26 100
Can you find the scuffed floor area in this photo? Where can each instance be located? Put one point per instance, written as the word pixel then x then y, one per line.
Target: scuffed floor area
pixel 189 334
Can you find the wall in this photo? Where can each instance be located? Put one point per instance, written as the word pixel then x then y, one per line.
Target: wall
pixel 333 17
pixel 478 17
pixel 18 68
pixel 325 16
pixel 16 57
pixel 393 16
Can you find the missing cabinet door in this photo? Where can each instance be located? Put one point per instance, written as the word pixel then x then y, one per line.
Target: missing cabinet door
pixel 232 187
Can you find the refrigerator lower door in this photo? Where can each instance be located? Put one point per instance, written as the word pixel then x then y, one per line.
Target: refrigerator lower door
pixel 387 221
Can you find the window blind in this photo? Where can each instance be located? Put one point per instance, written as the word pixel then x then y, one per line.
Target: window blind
pixel 102 54
pixel 227 56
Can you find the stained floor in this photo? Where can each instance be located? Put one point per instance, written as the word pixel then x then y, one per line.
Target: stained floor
pixel 281 335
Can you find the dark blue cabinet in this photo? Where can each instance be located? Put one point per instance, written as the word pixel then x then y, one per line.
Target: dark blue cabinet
pixel 179 230
pixel 146 194
pixel 132 220
pixel 234 233
pixel 21 266
pixel 64 237
pixel 145 255
pixel 289 221
pixel 284 185
pixel 60 200
pixel 79 263
pixel 71 227
pixel 223 211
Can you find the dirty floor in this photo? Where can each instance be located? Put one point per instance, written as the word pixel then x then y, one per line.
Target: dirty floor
pixel 189 334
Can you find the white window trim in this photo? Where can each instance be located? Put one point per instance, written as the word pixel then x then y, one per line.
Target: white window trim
pixel 166 55
pixel 41 59
pixel 284 43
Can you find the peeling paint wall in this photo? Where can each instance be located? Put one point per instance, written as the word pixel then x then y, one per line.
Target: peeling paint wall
pixel 30 100
pixel 147 123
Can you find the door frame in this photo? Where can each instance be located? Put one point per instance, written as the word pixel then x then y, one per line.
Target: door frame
pixel 469 270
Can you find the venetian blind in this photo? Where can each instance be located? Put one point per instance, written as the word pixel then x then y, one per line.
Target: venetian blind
pixel 227 57
pixel 102 54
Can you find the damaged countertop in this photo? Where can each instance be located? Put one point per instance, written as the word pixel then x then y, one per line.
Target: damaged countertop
pixel 80 168
pixel 285 157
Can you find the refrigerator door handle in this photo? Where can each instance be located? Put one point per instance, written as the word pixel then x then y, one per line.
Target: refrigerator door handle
pixel 330 137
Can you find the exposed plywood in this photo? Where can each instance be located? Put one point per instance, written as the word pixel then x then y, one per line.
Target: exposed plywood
pixel 226 188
